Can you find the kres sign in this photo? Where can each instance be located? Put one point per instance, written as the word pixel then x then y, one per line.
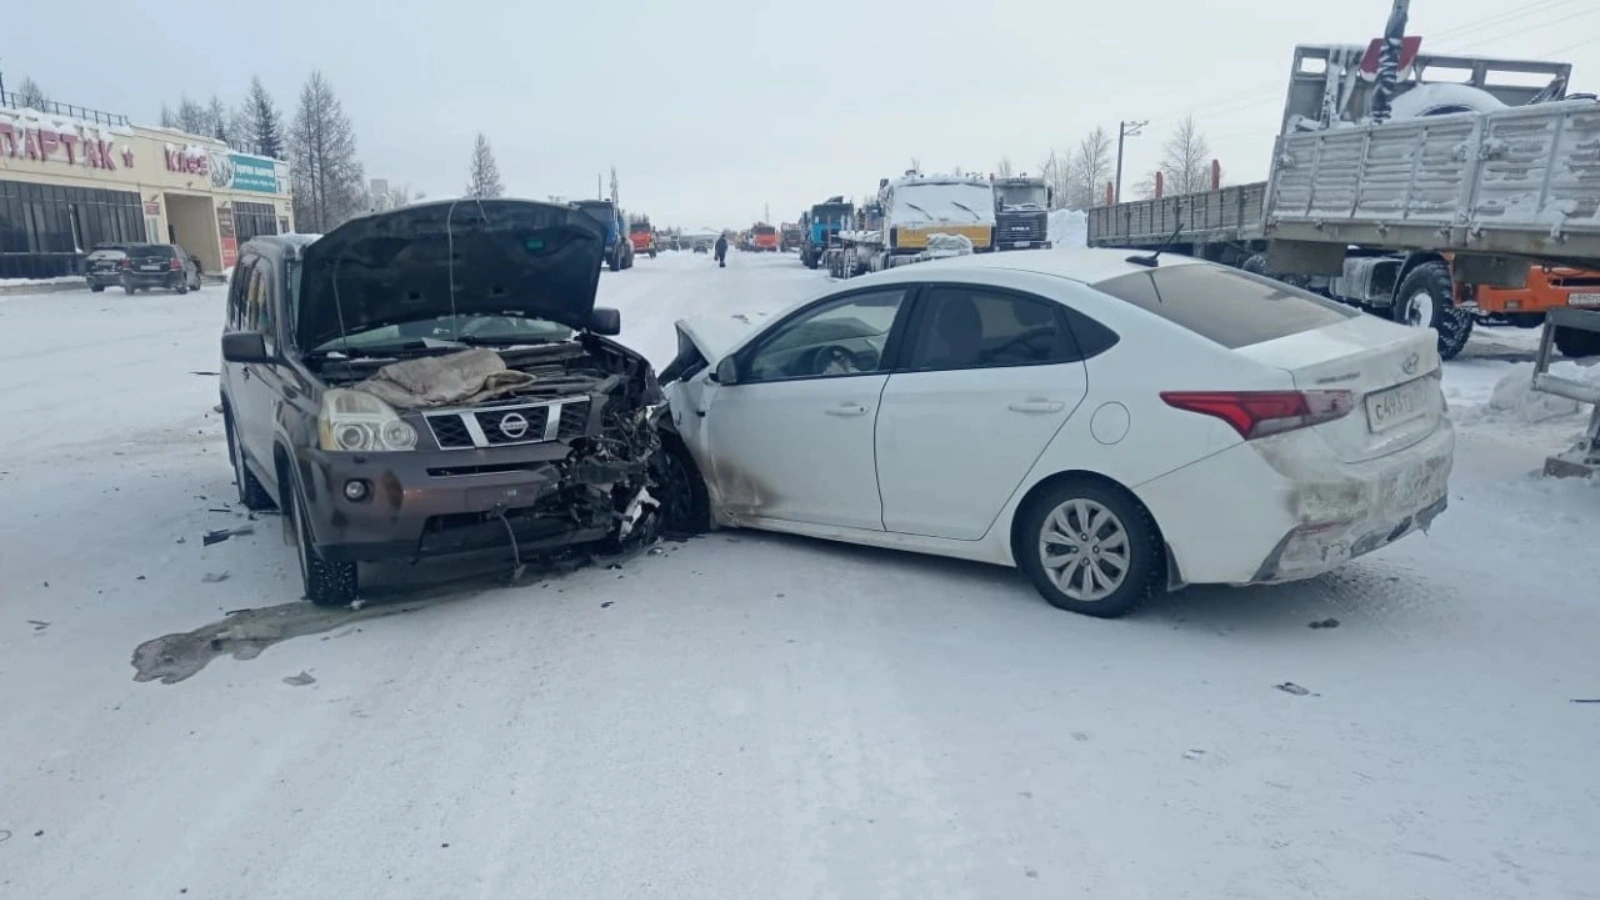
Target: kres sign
pixel 187 161
pixel 75 146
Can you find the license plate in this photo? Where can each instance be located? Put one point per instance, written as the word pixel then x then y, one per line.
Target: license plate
pixel 1398 405
pixel 1584 300
pixel 1021 243
pixel 155 268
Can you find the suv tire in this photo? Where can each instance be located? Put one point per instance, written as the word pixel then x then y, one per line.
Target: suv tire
pixel 326 583
pixel 252 494
pixel 1122 531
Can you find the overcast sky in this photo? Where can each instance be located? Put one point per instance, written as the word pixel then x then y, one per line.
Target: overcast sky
pixel 710 111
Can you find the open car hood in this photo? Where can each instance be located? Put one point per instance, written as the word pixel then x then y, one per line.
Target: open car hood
pixel 489 257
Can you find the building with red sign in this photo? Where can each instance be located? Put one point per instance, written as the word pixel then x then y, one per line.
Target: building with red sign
pixel 71 178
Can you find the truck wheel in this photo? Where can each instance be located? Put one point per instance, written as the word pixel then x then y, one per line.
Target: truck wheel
pixel 326 583
pixel 1255 264
pixel 615 262
pixel 1575 344
pixel 1426 299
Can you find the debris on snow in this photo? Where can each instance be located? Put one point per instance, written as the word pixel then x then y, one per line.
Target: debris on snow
pixel 1289 687
pixel 38 625
pixel 214 577
pixel 301 680
pixel 222 534
pixel 1324 623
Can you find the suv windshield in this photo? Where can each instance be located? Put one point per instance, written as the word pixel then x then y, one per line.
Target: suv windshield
pixel 467 329
pixel 1228 306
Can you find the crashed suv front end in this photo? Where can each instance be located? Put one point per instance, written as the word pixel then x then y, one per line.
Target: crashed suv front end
pixel 564 460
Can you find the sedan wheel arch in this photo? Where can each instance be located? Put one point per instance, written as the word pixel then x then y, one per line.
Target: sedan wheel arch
pixel 1020 544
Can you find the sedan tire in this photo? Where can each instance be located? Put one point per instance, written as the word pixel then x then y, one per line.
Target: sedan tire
pixel 1089 548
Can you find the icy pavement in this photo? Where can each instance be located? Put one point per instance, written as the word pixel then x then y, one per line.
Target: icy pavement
pixel 749 716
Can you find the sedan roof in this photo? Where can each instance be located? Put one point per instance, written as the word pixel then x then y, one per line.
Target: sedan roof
pixel 1090 266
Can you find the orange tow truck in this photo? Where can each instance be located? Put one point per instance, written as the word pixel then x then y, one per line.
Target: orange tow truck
pixel 643 237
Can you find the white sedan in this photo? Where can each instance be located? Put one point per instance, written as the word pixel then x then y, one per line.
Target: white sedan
pixel 1111 425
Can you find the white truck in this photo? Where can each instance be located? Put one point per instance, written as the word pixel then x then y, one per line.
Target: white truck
pixel 917 217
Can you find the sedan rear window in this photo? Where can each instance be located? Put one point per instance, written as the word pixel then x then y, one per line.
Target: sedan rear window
pixel 1231 307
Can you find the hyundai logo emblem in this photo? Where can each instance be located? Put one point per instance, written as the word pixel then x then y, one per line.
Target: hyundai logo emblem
pixel 1411 363
pixel 514 425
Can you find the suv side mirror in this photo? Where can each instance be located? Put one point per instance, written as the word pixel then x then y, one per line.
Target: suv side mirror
pixel 246 347
pixel 605 321
pixel 727 371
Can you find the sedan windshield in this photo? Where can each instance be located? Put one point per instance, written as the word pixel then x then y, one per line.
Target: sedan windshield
pixel 466 329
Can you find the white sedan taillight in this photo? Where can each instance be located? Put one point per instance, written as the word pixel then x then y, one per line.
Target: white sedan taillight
pixel 1256 414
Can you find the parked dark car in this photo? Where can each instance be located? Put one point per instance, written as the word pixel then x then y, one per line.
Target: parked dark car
pixel 103 266
pixel 166 266
pixel 436 379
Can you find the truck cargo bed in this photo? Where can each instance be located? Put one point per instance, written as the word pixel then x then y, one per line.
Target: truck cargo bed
pixel 1522 181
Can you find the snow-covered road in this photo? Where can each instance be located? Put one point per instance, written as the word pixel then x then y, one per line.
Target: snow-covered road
pixel 750 716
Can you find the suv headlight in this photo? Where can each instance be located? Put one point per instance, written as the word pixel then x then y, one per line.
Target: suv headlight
pixel 358 422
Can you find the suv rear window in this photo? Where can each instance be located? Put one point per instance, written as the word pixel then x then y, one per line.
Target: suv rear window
pixel 151 251
pixel 1229 306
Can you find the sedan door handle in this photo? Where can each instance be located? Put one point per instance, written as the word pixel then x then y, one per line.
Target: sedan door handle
pixel 847 410
pixel 1036 406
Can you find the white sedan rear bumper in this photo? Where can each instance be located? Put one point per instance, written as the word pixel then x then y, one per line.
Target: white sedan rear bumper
pixel 1285 508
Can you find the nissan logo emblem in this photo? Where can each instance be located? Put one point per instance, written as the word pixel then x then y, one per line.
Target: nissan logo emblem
pixel 514 425
pixel 1410 365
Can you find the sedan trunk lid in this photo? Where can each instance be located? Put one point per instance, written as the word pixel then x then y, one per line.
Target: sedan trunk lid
pixel 1391 371
pixel 453 257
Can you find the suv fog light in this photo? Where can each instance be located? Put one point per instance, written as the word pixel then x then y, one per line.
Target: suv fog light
pixel 356 490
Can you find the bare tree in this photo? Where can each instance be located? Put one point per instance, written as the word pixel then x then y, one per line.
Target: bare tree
pixel 327 181
pixel 1056 173
pixel 30 95
pixel 1003 168
pixel 192 117
pixel 217 120
pixel 1186 159
pixel 169 119
pixel 483 178
pixel 1090 168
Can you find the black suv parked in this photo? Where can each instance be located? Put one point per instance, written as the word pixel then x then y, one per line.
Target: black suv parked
pixel 168 266
pixel 437 379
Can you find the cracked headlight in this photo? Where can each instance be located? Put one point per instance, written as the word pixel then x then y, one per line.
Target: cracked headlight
pixel 356 421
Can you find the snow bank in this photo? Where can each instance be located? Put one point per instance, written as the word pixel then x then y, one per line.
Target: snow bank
pixel 1069 228
pixel 1514 398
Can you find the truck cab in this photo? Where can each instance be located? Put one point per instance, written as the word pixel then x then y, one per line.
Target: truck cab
pixel 642 237
pixel 822 225
pixel 1021 213
pixel 917 206
pixel 619 251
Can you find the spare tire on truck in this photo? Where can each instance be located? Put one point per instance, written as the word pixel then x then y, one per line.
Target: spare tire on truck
pixel 1426 299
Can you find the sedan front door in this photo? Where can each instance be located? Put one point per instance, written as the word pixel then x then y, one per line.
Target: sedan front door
pixel 792 438
pixel 988 379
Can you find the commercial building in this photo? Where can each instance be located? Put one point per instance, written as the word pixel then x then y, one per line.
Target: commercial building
pixel 71 178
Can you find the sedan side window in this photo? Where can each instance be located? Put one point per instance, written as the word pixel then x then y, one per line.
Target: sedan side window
pixel 965 328
pixel 843 337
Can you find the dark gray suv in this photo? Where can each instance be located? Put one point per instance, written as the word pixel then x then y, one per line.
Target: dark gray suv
pixel 437 379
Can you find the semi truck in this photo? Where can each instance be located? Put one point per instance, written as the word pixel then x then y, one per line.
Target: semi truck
pixel 1022 212
pixel 919 216
pixel 1437 190
pixel 642 236
pixel 788 237
pixel 820 227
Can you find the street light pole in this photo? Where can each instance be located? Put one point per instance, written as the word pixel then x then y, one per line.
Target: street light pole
pixel 1125 130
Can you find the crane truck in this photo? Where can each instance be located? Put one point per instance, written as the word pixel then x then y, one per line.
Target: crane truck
pixel 1368 176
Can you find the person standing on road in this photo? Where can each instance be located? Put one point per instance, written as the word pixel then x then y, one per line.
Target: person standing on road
pixel 722 251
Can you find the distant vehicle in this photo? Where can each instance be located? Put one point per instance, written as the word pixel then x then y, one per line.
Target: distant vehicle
pixel 820 227
pixel 1022 213
pixel 789 237
pixel 1092 415
pixel 103 266
pixel 763 238
pixel 619 249
pixel 914 208
pixel 643 237
pixel 165 266
pixel 702 246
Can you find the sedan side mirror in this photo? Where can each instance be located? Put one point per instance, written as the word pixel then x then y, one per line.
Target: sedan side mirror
pixel 605 321
pixel 246 347
pixel 727 371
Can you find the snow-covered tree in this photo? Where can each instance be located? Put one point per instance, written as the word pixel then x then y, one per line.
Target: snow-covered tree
pixel 265 126
pixel 169 119
pixel 327 182
pixel 483 178
pixel 1089 170
pixel 217 120
pixel 192 117
pixel 30 95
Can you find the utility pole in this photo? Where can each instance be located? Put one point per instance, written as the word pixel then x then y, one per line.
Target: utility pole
pixel 1125 130
pixel 766 213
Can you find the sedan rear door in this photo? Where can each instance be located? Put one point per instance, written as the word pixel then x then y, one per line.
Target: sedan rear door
pixel 989 377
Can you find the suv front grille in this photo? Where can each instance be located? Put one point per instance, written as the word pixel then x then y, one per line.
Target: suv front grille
pixel 505 426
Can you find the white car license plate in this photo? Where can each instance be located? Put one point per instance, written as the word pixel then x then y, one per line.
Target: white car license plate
pixel 1397 405
pixel 155 268
pixel 1586 301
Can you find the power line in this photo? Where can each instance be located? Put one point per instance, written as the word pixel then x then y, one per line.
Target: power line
pixel 1540 27
pixel 1538 6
